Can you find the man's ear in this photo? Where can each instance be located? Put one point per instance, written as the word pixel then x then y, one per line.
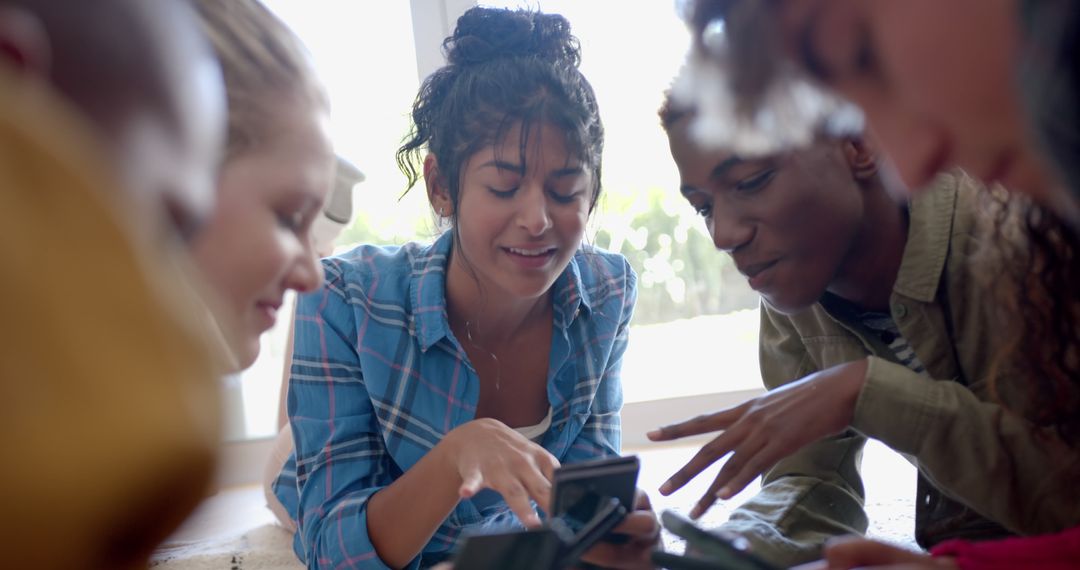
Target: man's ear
pixel 24 42
pixel 437 191
pixel 862 156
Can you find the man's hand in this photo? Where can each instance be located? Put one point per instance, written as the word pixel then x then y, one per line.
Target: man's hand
pixel 760 432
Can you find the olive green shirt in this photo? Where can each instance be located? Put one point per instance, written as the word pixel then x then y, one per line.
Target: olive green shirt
pixel 948 424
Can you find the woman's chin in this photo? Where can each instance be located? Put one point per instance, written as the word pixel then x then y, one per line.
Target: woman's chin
pixel 247 353
pixel 243 352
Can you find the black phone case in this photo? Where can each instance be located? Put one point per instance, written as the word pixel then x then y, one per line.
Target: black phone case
pixel 554 546
pixel 605 519
pixel 526 549
pixel 579 488
pixel 608 477
pixel 590 499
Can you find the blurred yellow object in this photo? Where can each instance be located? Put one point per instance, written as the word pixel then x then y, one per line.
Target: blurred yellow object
pixel 111 410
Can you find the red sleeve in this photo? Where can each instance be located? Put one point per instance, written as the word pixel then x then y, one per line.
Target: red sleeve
pixel 1059 551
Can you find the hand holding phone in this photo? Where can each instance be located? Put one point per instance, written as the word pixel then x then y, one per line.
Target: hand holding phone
pixel 558 544
pixel 606 518
pixel 581 489
pixel 589 499
pixel 639 534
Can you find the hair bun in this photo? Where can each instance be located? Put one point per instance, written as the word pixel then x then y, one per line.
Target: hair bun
pixel 485 34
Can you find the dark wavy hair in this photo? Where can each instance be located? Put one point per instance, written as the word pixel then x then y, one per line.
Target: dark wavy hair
pixel 1038 301
pixel 504 67
pixel 1038 304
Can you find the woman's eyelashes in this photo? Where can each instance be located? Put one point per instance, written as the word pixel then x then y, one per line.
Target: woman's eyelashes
pixel 556 195
pixel 506 194
pixel 566 198
pixel 296 219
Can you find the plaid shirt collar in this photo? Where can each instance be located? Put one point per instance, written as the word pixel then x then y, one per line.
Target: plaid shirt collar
pixel 427 292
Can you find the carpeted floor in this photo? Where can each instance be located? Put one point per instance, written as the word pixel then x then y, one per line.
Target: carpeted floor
pixel 233 530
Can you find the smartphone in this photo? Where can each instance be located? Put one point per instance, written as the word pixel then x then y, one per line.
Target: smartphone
pixel 538 549
pixel 589 532
pixel 709 547
pixel 577 484
pixel 558 544
pixel 589 499
pixel 581 489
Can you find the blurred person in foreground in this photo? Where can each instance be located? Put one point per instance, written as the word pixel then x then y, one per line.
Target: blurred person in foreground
pixel 110 133
pixel 988 86
pixel 874 316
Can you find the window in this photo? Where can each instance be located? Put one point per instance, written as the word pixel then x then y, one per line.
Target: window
pixel 694 310
pixel 693 345
pixel 695 326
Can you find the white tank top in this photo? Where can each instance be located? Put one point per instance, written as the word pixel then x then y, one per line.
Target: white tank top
pixel 536 432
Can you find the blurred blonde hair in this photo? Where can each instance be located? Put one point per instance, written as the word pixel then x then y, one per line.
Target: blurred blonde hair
pixel 264 64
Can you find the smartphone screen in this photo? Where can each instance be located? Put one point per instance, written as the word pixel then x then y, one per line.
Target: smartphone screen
pixel 580 487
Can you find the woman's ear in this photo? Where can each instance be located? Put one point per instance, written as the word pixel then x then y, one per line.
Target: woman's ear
pixel 437 191
pixel 24 43
pixel 862 157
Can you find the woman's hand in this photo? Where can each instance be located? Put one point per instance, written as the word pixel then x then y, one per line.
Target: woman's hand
pixel 643 528
pixel 853 552
pixel 760 432
pixel 490 455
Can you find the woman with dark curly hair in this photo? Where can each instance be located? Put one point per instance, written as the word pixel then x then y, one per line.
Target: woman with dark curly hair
pixel 875 322
pixel 436 387
pixel 991 87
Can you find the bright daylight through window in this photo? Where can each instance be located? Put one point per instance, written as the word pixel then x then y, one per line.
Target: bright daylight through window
pixel 695 326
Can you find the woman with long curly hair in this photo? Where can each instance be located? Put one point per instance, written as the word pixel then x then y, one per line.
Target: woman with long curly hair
pixel 987 86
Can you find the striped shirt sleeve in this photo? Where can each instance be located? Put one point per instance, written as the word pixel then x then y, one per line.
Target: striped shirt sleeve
pixel 341 459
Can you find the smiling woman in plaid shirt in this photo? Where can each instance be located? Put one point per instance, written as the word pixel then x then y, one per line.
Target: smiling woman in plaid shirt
pixel 435 388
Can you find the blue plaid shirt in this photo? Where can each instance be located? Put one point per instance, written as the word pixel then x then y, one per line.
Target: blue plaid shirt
pixel 378 379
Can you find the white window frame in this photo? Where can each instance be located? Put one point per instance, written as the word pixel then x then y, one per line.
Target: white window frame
pixel 243 460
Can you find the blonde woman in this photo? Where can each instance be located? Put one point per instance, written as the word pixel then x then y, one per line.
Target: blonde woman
pixel 274 181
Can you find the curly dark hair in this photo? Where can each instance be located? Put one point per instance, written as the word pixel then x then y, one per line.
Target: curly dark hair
pixel 1037 297
pixel 1039 293
pixel 504 67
